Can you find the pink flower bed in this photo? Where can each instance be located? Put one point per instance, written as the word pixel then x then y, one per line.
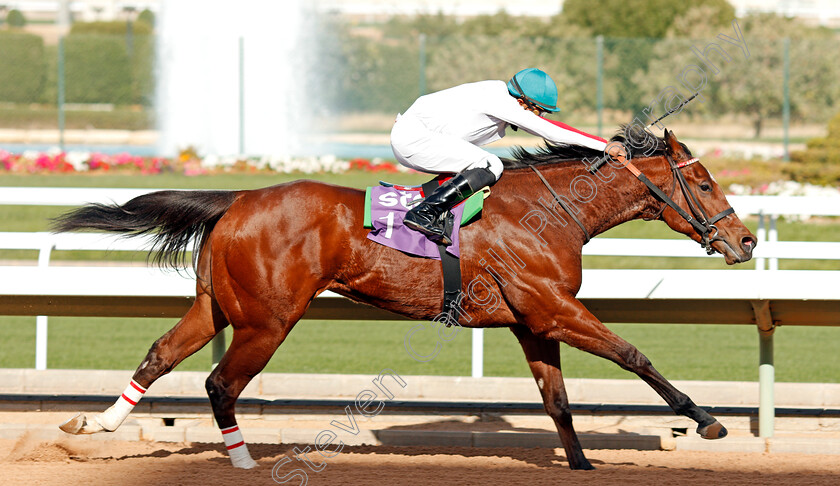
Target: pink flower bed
pixel 187 163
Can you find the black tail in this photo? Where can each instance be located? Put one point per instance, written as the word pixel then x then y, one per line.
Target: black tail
pixel 172 217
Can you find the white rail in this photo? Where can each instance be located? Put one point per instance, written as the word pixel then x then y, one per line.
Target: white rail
pixel 797 297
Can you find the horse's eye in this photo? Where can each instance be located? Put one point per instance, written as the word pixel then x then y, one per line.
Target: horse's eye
pixel 705 187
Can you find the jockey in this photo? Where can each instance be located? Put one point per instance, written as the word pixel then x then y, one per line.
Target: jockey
pixel 442 132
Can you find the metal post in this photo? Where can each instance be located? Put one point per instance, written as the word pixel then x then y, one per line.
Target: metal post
pixel 129 39
pixel 41 333
pixel 218 348
pixel 766 380
pixel 241 96
pixel 422 60
pixel 773 236
pixel 599 42
pixel 786 98
pixel 761 234
pixel 477 352
pixel 61 93
pixel 129 31
pixel 41 321
pixel 766 370
pixel 63 19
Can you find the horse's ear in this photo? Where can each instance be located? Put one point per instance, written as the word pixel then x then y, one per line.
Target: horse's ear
pixel 674 145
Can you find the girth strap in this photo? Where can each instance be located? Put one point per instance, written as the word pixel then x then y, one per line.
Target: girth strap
pixel 450 265
pixel 563 205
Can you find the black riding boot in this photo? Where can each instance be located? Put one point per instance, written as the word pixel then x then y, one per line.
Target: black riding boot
pixel 429 217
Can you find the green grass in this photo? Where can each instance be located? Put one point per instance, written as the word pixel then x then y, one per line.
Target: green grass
pixel 690 352
pixel 680 352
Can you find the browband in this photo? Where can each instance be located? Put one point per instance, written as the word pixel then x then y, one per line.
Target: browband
pixel 687 163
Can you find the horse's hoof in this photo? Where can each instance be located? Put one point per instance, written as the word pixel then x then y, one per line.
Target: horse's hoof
pixel 243 462
pixel 249 465
pixel 581 464
pixel 713 431
pixel 74 425
pixel 79 425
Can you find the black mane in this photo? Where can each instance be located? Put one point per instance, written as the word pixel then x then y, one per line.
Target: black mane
pixel 640 143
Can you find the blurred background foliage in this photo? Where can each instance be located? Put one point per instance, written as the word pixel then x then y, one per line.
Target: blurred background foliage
pixel 635 69
pixel 382 67
pixel 820 162
pixel 636 48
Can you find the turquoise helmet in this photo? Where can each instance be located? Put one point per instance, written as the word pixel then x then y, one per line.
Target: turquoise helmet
pixel 536 87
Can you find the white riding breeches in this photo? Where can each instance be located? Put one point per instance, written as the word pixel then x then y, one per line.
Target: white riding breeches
pixel 419 148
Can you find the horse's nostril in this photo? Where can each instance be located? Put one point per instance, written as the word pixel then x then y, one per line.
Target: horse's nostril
pixel 748 243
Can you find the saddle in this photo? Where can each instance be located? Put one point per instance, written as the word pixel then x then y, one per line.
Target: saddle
pixel 385 208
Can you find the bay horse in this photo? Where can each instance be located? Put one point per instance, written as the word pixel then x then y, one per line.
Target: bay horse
pixel 262 256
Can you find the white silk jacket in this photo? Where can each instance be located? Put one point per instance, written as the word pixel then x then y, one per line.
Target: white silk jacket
pixel 480 113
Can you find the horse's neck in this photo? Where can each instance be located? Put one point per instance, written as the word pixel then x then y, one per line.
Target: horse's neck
pixel 619 198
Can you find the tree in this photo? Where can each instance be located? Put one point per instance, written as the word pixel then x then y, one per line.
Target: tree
pixel 147 17
pixel 494 52
pixel 15 18
pixel 752 85
pixel 670 56
pixel 755 86
pixel 820 162
pixel 432 25
pixel 636 18
pixel 22 67
pixel 115 27
pixel 498 24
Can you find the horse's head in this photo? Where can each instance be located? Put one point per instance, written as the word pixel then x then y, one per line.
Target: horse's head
pixel 711 219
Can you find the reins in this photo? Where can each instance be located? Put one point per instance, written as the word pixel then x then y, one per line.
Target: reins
pixel 563 205
pixel 698 219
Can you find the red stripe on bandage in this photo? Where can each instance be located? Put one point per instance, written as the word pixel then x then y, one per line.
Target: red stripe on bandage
pixel 137 387
pixel 232 429
pixel 234 446
pixel 128 399
pixel 573 129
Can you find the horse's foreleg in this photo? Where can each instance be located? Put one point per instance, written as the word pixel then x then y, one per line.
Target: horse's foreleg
pixel 579 328
pixel 544 359
pixel 193 331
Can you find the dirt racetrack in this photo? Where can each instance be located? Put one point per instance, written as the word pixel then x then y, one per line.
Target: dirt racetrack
pixel 73 462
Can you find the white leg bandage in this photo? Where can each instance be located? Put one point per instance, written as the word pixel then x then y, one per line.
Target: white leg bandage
pixel 115 415
pixel 238 451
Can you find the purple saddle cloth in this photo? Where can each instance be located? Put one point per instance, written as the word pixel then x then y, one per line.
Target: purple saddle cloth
pixel 388 206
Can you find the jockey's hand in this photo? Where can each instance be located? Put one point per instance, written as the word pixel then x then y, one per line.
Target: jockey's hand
pixel 617 152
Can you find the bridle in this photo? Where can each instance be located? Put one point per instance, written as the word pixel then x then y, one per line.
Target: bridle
pixel 698 219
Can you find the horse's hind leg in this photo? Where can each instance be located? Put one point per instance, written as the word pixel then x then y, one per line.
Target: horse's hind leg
pixel 193 331
pixel 579 328
pixel 249 352
pixel 544 359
